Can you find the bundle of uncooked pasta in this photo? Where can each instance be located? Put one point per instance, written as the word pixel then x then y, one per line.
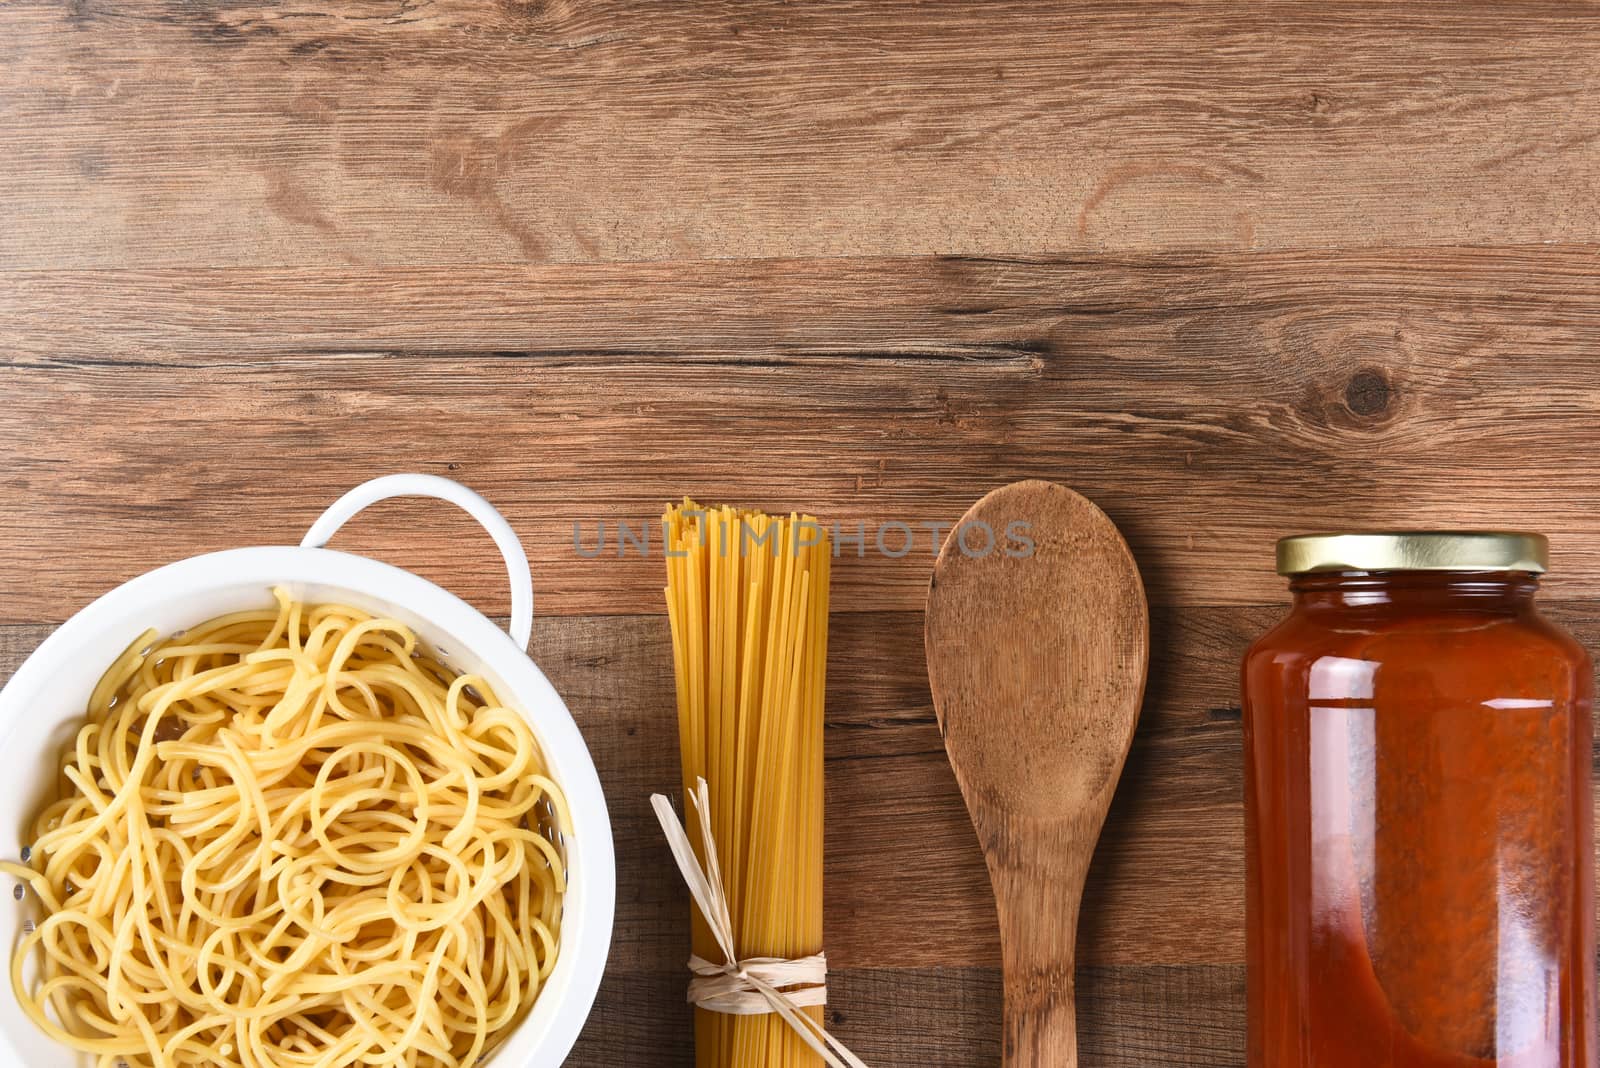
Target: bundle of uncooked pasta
pixel 747 596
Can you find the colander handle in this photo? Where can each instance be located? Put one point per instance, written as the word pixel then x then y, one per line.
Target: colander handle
pixel 342 510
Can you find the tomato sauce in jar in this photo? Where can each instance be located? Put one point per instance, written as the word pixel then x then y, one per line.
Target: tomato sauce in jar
pixel 1418 812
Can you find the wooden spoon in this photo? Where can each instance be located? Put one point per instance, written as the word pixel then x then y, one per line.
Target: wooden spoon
pixel 1037 665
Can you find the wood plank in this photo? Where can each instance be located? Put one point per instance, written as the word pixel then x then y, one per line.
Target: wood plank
pixel 1191 1016
pixel 143 132
pixel 1208 404
pixel 906 882
pixel 1261 312
pixel 907 1017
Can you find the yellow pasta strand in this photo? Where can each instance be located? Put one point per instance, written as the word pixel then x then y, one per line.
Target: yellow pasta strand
pixel 291 838
pixel 747 601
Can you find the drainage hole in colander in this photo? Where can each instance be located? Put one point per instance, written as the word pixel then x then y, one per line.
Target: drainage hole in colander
pixel 27 927
pixel 17 891
pixel 27 854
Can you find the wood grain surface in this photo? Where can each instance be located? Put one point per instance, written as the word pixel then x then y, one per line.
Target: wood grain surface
pixel 462 131
pixel 1231 271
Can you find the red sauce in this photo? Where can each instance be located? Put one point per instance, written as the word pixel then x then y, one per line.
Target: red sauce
pixel 1419 821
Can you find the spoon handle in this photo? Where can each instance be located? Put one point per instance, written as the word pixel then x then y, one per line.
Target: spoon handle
pixel 1038 896
pixel 1043 1033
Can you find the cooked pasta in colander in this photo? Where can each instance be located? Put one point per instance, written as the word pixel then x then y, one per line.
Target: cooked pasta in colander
pixel 290 838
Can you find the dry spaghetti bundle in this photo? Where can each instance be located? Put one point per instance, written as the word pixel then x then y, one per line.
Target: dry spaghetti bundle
pixel 291 838
pixel 747 595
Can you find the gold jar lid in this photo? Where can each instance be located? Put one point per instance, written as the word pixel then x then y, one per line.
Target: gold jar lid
pixel 1414 550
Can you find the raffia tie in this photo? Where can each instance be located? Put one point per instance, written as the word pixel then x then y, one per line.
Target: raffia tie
pixel 747 987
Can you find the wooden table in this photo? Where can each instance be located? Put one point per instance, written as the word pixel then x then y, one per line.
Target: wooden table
pixel 1232 271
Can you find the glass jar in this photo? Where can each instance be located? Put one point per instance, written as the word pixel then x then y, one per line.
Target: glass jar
pixel 1418 812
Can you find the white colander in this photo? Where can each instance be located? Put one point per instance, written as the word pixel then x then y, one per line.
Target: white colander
pixel 43 705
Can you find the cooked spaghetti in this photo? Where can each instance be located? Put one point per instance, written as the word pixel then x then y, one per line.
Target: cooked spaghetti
pixel 747 596
pixel 287 838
